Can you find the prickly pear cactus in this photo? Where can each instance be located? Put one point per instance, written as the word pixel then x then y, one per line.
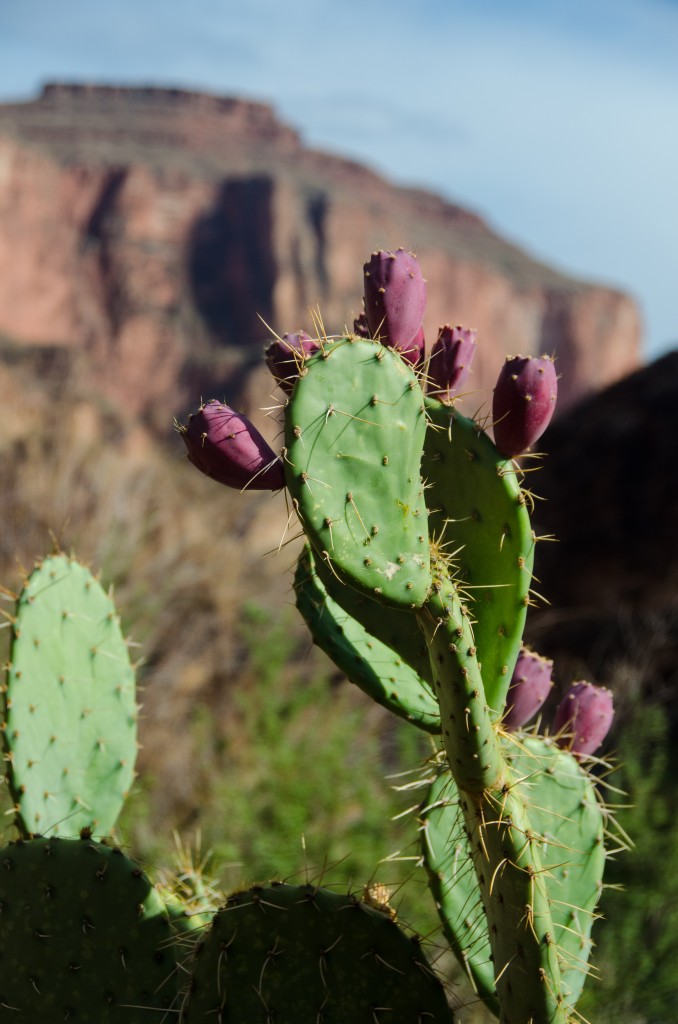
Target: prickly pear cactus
pixel 84 937
pixel 297 954
pixel 416 580
pixel 70 713
pixel 568 823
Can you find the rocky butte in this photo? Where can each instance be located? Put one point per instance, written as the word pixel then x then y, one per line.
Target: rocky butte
pixel 147 230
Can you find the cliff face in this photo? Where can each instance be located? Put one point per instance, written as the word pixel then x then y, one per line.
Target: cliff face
pixel 148 230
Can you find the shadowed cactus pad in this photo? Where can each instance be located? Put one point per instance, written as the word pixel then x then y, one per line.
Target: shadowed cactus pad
pixel 70 705
pixel 83 936
pixel 380 665
pixel 302 955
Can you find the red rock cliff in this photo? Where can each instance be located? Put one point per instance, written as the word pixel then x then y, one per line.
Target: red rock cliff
pixel 150 229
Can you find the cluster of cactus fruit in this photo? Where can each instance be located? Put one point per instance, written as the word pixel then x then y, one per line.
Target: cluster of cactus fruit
pixel 415 579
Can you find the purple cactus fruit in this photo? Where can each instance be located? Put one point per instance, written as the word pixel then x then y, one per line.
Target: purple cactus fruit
pixel 360 327
pixel 450 361
pixel 395 300
pixel 530 685
pixel 524 400
pixel 224 445
pixel 415 353
pixel 286 356
pixel 583 718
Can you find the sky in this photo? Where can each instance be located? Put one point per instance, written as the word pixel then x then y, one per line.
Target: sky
pixel 556 121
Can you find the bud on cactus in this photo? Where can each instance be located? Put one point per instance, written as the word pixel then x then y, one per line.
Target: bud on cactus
pixel 583 718
pixel 524 400
pixel 415 352
pixel 360 327
pixel 529 688
pixel 395 300
pixel 224 445
pixel 450 361
pixel 285 357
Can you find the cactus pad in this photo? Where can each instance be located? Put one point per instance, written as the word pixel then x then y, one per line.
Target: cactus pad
pixel 374 666
pixel 83 936
pixel 394 627
pixel 564 811
pixel 354 434
pixel 298 954
pixel 477 510
pixel 454 886
pixel 70 715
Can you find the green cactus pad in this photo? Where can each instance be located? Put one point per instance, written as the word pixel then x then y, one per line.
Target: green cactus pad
pixel 83 936
pixel 301 955
pixel 354 435
pixel 563 809
pixel 395 627
pixel 70 708
pixel 374 666
pixel 477 509
pixel 454 886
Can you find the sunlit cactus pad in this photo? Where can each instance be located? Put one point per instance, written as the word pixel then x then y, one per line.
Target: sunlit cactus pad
pixel 379 669
pixel 302 955
pixel 83 937
pixel 70 705
pixel 566 814
pixel 354 435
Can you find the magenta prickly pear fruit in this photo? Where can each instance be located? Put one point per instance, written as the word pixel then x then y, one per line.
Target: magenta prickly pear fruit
pixel 416 351
pixel 225 446
pixel 583 718
pixel 529 688
pixel 360 326
pixel 285 357
pixel 450 361
pixel 395 300
pixel 524 400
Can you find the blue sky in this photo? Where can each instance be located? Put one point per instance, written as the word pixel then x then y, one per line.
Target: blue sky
pixel 557 121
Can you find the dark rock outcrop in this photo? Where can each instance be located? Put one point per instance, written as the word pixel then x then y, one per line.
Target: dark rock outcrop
pixel 611 500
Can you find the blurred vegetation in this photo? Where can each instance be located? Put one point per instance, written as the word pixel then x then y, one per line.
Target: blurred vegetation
pixel 293 780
